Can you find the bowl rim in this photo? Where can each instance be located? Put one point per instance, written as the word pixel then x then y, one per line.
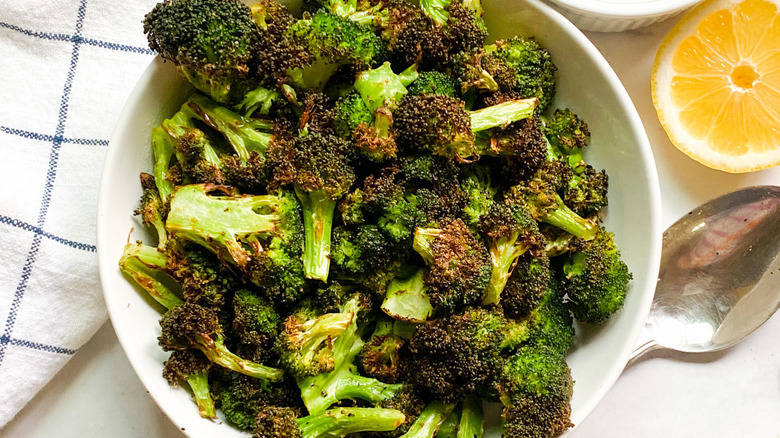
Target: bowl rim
pixel 609 9
pixel 108 267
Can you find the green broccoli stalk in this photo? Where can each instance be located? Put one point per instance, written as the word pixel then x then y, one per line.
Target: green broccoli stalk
pixel 230 225
pixel 211 42
pixel 190 326
pixel 192 367
pixel 511 231
pixel 162 151
pixel 596 279
pixel 147 267
pixel 471 423
pixel 245 135
pixel 407 298
pixel 323 390
pixel 153 209
pixel 427 424
pixel 279 422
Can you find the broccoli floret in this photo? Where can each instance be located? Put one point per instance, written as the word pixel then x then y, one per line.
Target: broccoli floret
pixel 550 323
pixel 317 165
pixel 366 256
pixel 511 231
pixel 349 112
pixel 382 356
pixel 408 401
pixel 152 209
pixel 242 398
pixel 276 51
pixel 323 390
pixel 192 366
pixel 477 184
pixel 595 279
pixel 458 265
pixel 148 268
pixel 332 41
pixel 259 101
pixel 434 82
pixel 211 42
pixel 256 322
pixel 568 135
pixel 586 192
pixel 205 280
pixel 439 124
pixel 526 285
pixel 518 65
pixel 275 422
pixel 305 345
pixel 540 196
pixel 190 326
pixel 457 355
pixel 535 387
pixel 407 298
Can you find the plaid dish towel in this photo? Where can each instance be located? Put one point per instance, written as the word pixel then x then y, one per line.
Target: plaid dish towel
pixel 67 67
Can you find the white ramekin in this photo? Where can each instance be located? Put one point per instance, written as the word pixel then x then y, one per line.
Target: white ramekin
pixel 619 15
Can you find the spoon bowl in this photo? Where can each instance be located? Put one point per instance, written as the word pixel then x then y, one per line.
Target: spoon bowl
pixel 720 268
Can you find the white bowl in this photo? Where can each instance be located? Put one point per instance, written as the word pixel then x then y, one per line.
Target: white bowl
pixel 587 84
pixel 619 15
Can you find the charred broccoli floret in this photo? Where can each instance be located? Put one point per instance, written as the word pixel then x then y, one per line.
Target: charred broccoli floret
pixel 255 321
pixel 518 65
pixel 317 165
pixel 242 398
pixel 190 326
pixel 211 42
pixel 153 209
pixel 439 124
pixel 457 355
pixel 205 280
pixel 595 279
pixel 382 356
pixel 458 265
pixel 192 366
pixel 526 286
pixel 535 387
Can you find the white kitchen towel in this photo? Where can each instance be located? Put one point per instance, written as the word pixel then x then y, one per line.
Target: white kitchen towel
pixel 66 68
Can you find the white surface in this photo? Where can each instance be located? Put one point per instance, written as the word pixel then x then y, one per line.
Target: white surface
pixel 619 15
pixel 735 393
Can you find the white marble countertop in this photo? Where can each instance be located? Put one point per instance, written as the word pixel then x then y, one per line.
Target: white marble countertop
pixel 735 393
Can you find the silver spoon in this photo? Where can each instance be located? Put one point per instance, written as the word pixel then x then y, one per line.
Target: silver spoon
pixel 720 274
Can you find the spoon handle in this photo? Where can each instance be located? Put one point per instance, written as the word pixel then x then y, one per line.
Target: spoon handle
pixel 644 344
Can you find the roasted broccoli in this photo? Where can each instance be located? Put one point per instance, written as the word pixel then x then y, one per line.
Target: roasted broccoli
pixel 279 422
pixel 192 366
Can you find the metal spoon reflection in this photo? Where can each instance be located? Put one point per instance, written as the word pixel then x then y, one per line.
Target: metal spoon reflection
pixel 720 274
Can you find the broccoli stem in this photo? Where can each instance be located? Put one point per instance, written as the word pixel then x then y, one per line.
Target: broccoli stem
pixel 313 76
pixel 325 327
pixel 503 254
pixel 244 135
pixel 471 419
pixel 199 384
pixel 423 238
pixel 502 114
pixel 322 391
pixel 436 10
pixel 162 149
pixel 407 299
pixel 146 265
pixel 429 420
pixel 569 221
pixel 215 351
pixel 318 209
pixel 343 421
